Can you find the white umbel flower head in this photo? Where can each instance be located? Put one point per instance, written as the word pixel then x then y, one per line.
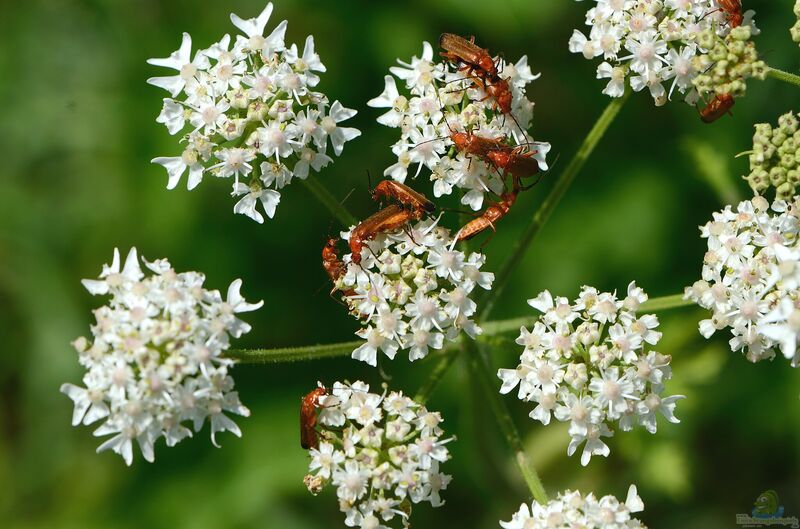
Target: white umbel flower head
pixel 571 509
pixel 751 276
pixel 246 110
pixel 590 363
pixel 382 454
pixel 795 30
pixel 652 45
pixel 436 100
pixel 154 367
pixel 412 291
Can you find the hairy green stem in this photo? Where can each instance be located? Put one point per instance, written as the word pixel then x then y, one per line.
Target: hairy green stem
pixel 664 303
pixel 329 201
pixel 449 354
pixel 292 354
pixel 546 209
pixel 786 77
pixel 506 423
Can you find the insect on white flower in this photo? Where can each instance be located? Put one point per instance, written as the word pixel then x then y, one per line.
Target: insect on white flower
pixel 154 367
pixel 382 452
pixel 412 291
pixel 436 100
pixel 652 45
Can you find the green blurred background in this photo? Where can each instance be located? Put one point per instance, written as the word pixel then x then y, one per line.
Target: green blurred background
pixel 78 132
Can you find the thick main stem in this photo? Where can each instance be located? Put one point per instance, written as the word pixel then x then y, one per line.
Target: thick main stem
pixel 492 328
pixel 506 423
pixel 543 213
pixel 786 77
pixel 344 217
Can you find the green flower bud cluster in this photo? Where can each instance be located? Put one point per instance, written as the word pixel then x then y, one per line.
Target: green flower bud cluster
pixel 775 156
pixel 729 62
pixel 795 31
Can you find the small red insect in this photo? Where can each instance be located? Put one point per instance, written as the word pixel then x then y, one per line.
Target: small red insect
pixel 480 67
pixel 491 215
pixel 497 89
pixel 389 218
pixel 309 438
pixel 733 11
pixel 333 264
pixel 462 51
pixel 407 197
pixel 470 143
pixel 515 161
pixel 717 108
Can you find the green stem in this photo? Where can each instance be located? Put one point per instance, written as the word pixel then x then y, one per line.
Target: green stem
pixel 448 356
pixel 506 423
pixel 786 77
pixel 329 201
pixel 546 209
pixel 449 353
pixel 292 354
pixel 664 303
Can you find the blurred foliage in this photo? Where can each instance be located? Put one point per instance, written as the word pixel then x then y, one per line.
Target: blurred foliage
pixel 78 131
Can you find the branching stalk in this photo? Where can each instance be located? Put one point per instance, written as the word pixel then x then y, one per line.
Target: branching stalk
pixel 786 77
pixel 546 209
pixel 492 328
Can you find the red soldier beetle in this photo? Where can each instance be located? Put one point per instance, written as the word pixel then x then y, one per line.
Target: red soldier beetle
pixel 460 50
pixel 404 195
pixel 475 145
pixel 481 68
pixel 333 265
pixel 515 161
pixel 490 215
pixel 309 404
pixel 389 218
pixel 718 107
pixel 733 11
pixel 309 438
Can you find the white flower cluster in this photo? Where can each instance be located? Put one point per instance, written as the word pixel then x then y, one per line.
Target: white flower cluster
pixel 381 452
pixel 438 100
pixel 156 358
pixel 751 276
pixel 412 291
pixel 571 509
pixel 247 110
pixel 588 364
pixel 795 30
pixel 649 43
